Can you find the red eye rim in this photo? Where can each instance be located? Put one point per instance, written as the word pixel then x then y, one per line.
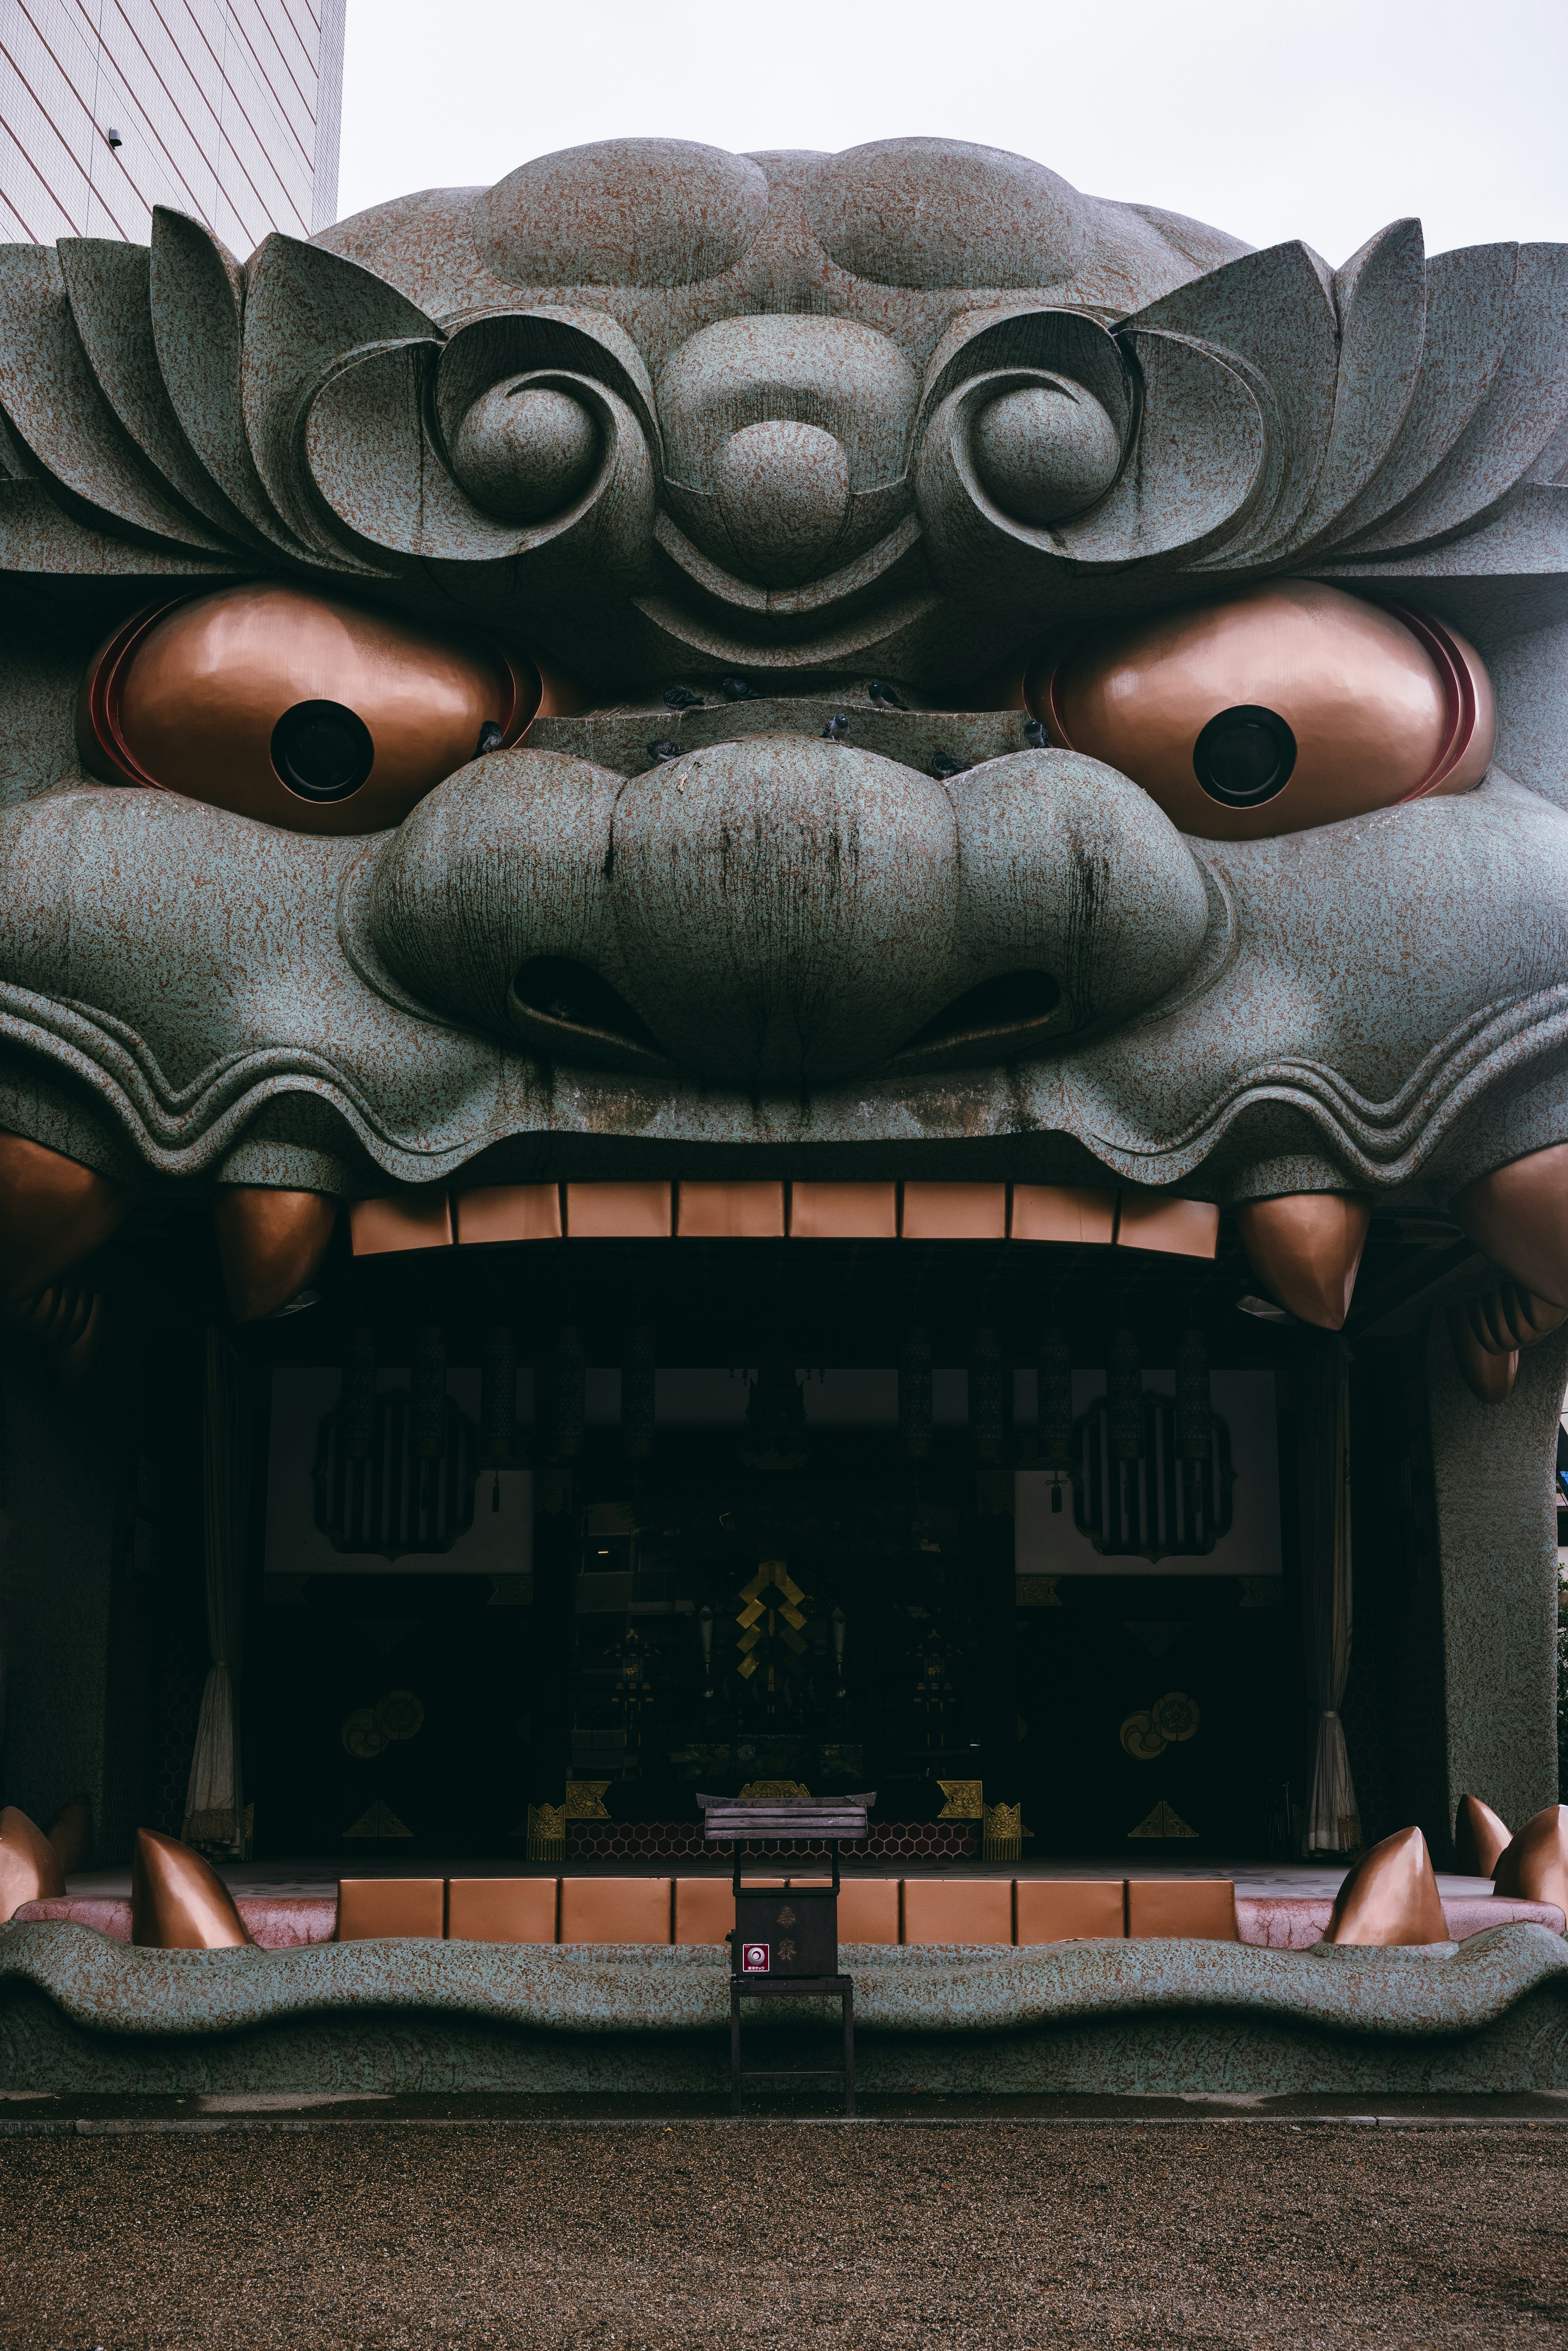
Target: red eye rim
pixel 100 738
pixel 100 729
pixel 1468 713
pixel 1461 696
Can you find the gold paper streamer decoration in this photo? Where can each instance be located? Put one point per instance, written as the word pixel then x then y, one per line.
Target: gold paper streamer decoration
pixel 772 1575
pixel 1002 1833
pixel 547 1832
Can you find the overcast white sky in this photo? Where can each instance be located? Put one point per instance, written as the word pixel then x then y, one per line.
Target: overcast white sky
pixel 1268 118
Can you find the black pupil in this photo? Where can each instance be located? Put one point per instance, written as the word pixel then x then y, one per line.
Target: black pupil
pixel 1244 756
pixel 321 750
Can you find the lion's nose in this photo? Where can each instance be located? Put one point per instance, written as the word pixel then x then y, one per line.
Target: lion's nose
pixel 785 907
pixel 783 493
pixel 781 912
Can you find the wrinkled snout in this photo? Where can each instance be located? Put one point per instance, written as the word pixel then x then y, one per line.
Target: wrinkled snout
pixel 783 913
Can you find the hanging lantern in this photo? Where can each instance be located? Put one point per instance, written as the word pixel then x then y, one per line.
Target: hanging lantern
pixel 569 1411
pixel 638 1378
pixel 986 1417
pixel 357 1398
pixel 915 1396
pixel 498 1405
pixel 428 1394
pixel 1194 1412
pixel 499 1398
pixel 395 1495
pixel 1124 1396
pixel 1056 1409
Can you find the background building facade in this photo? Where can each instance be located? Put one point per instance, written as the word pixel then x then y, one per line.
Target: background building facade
pixel 226 109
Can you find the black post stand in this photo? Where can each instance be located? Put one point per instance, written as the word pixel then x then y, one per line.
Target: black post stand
pixel 797 1986
pixel 785 1941
pixel 785 1982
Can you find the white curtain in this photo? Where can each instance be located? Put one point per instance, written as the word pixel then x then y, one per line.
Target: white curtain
pixel 1332 1819
pixel 214 1800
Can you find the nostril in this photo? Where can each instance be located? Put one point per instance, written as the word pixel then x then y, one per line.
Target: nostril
pixel 558 987
pixel 1013 1000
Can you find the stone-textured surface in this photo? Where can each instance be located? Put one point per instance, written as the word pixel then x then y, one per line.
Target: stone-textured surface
pixel 1497 1539
pixel 279 984
pixel 656 409
pixel 79 2011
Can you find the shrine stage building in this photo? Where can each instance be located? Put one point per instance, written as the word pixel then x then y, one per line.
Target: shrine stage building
pixel 562 1503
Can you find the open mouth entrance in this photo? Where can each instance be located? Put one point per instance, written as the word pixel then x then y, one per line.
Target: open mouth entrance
pixel 556 1534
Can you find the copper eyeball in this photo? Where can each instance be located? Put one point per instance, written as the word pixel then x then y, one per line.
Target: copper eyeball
pixel 295 708
pixel 1289 705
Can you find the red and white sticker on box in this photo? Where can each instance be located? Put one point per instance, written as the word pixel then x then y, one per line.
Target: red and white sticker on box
pixel 755 1958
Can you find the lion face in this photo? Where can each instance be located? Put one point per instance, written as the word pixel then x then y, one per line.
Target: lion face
pixel 847 649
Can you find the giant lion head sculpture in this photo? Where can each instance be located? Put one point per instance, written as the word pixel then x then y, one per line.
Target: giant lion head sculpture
pixel 878 652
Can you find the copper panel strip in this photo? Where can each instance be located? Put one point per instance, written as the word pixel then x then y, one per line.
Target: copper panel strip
pixel 752 1211
pixel 1064 1212
pixel 629 1212
pixel 417 1216
pixel 508 1212
pixel 1152 1220
pixel 844 1212
pixel 954 1212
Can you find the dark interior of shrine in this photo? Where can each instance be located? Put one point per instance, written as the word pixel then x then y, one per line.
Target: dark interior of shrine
pixel 836 1597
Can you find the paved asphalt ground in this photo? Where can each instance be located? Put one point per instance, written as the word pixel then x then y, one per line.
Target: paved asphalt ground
pixel 678 2235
